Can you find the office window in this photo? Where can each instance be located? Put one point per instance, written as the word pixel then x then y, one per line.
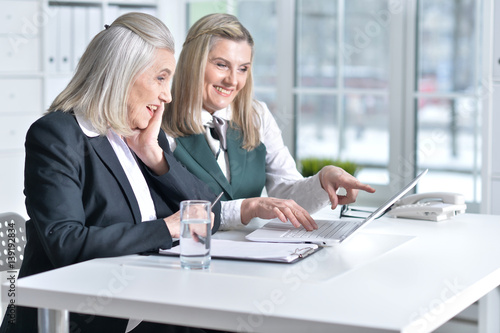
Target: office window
pixel 342 82
pixel 198 9
pixel 344 56
pixel 448 87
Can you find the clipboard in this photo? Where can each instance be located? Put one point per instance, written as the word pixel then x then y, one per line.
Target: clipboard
pixel 255 251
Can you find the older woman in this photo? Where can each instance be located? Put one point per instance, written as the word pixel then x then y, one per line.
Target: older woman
pixel 213 89
pixel 100 179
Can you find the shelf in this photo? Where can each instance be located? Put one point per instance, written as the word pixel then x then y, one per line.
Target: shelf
pixel 76 3
pixel 131 3
pixel 20 75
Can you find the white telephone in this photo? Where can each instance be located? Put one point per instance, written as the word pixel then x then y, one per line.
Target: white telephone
pixel 434 206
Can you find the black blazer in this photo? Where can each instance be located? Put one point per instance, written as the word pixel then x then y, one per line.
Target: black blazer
pixel 82 206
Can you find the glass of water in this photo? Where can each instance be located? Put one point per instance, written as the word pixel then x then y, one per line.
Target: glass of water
pixel 196 229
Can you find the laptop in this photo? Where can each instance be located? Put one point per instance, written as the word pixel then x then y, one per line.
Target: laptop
pixel 329 232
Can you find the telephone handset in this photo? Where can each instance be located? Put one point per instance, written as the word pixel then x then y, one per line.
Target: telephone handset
pixel 434 206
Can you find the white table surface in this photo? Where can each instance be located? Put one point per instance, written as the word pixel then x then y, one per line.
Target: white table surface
pixel 396 275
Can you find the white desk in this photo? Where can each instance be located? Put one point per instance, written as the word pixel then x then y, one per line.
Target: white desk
pixel 395 276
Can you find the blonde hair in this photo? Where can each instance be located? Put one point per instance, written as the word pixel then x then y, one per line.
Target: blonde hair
pixel 99 89
pixel 182 117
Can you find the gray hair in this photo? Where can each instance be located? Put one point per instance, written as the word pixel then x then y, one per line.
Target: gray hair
pixel 99 89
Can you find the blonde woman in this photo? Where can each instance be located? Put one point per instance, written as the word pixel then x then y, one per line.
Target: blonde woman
pixel 213 89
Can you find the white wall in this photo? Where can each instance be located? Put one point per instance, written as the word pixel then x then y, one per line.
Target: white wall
pixel 20 93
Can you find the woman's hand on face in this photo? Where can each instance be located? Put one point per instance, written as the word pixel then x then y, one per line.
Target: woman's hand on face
pixel 144 143
pixel 332 178
pixel 283 209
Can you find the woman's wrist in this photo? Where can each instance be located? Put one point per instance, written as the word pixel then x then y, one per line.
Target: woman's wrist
pixel 156 161
pixel 161 165
pixel 247 210
pixel 323 173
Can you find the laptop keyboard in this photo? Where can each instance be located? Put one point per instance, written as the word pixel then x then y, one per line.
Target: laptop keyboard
pixel 327 229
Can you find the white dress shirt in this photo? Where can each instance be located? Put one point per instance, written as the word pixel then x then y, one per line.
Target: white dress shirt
pixel 283 180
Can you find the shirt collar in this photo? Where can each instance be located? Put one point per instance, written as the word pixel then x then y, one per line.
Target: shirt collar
pixel 225 114
pixel 86 126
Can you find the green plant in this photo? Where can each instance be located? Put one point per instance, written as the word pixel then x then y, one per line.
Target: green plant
pixel 311 166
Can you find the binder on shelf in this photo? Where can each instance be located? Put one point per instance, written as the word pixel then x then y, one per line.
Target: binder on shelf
pixel 94 22
pixel 80 39
pixel 255 251
pixel 111 14
pixel 51 49
pixel 65 40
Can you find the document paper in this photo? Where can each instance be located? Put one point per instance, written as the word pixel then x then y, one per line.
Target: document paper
pixel 275 252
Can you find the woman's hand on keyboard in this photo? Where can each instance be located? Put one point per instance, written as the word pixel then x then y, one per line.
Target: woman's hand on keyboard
pixel 333 178
pixel 283 209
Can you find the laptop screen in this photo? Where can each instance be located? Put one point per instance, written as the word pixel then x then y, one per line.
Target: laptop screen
pixel 387 205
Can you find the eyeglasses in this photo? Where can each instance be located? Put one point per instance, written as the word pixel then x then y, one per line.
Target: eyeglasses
pixel 347 211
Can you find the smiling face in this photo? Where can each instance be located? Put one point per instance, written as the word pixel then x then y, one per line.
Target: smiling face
pixel 226 73
pixel 150 90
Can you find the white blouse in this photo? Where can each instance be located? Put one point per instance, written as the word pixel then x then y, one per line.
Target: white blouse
pixel 283 180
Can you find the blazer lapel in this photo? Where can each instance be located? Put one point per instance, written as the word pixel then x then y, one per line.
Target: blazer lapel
pixel 107 155
pixel 197 147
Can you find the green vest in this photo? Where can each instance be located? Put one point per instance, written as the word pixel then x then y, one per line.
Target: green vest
pixel 248 168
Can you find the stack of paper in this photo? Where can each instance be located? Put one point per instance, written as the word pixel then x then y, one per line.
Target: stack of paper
pixel 274 252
